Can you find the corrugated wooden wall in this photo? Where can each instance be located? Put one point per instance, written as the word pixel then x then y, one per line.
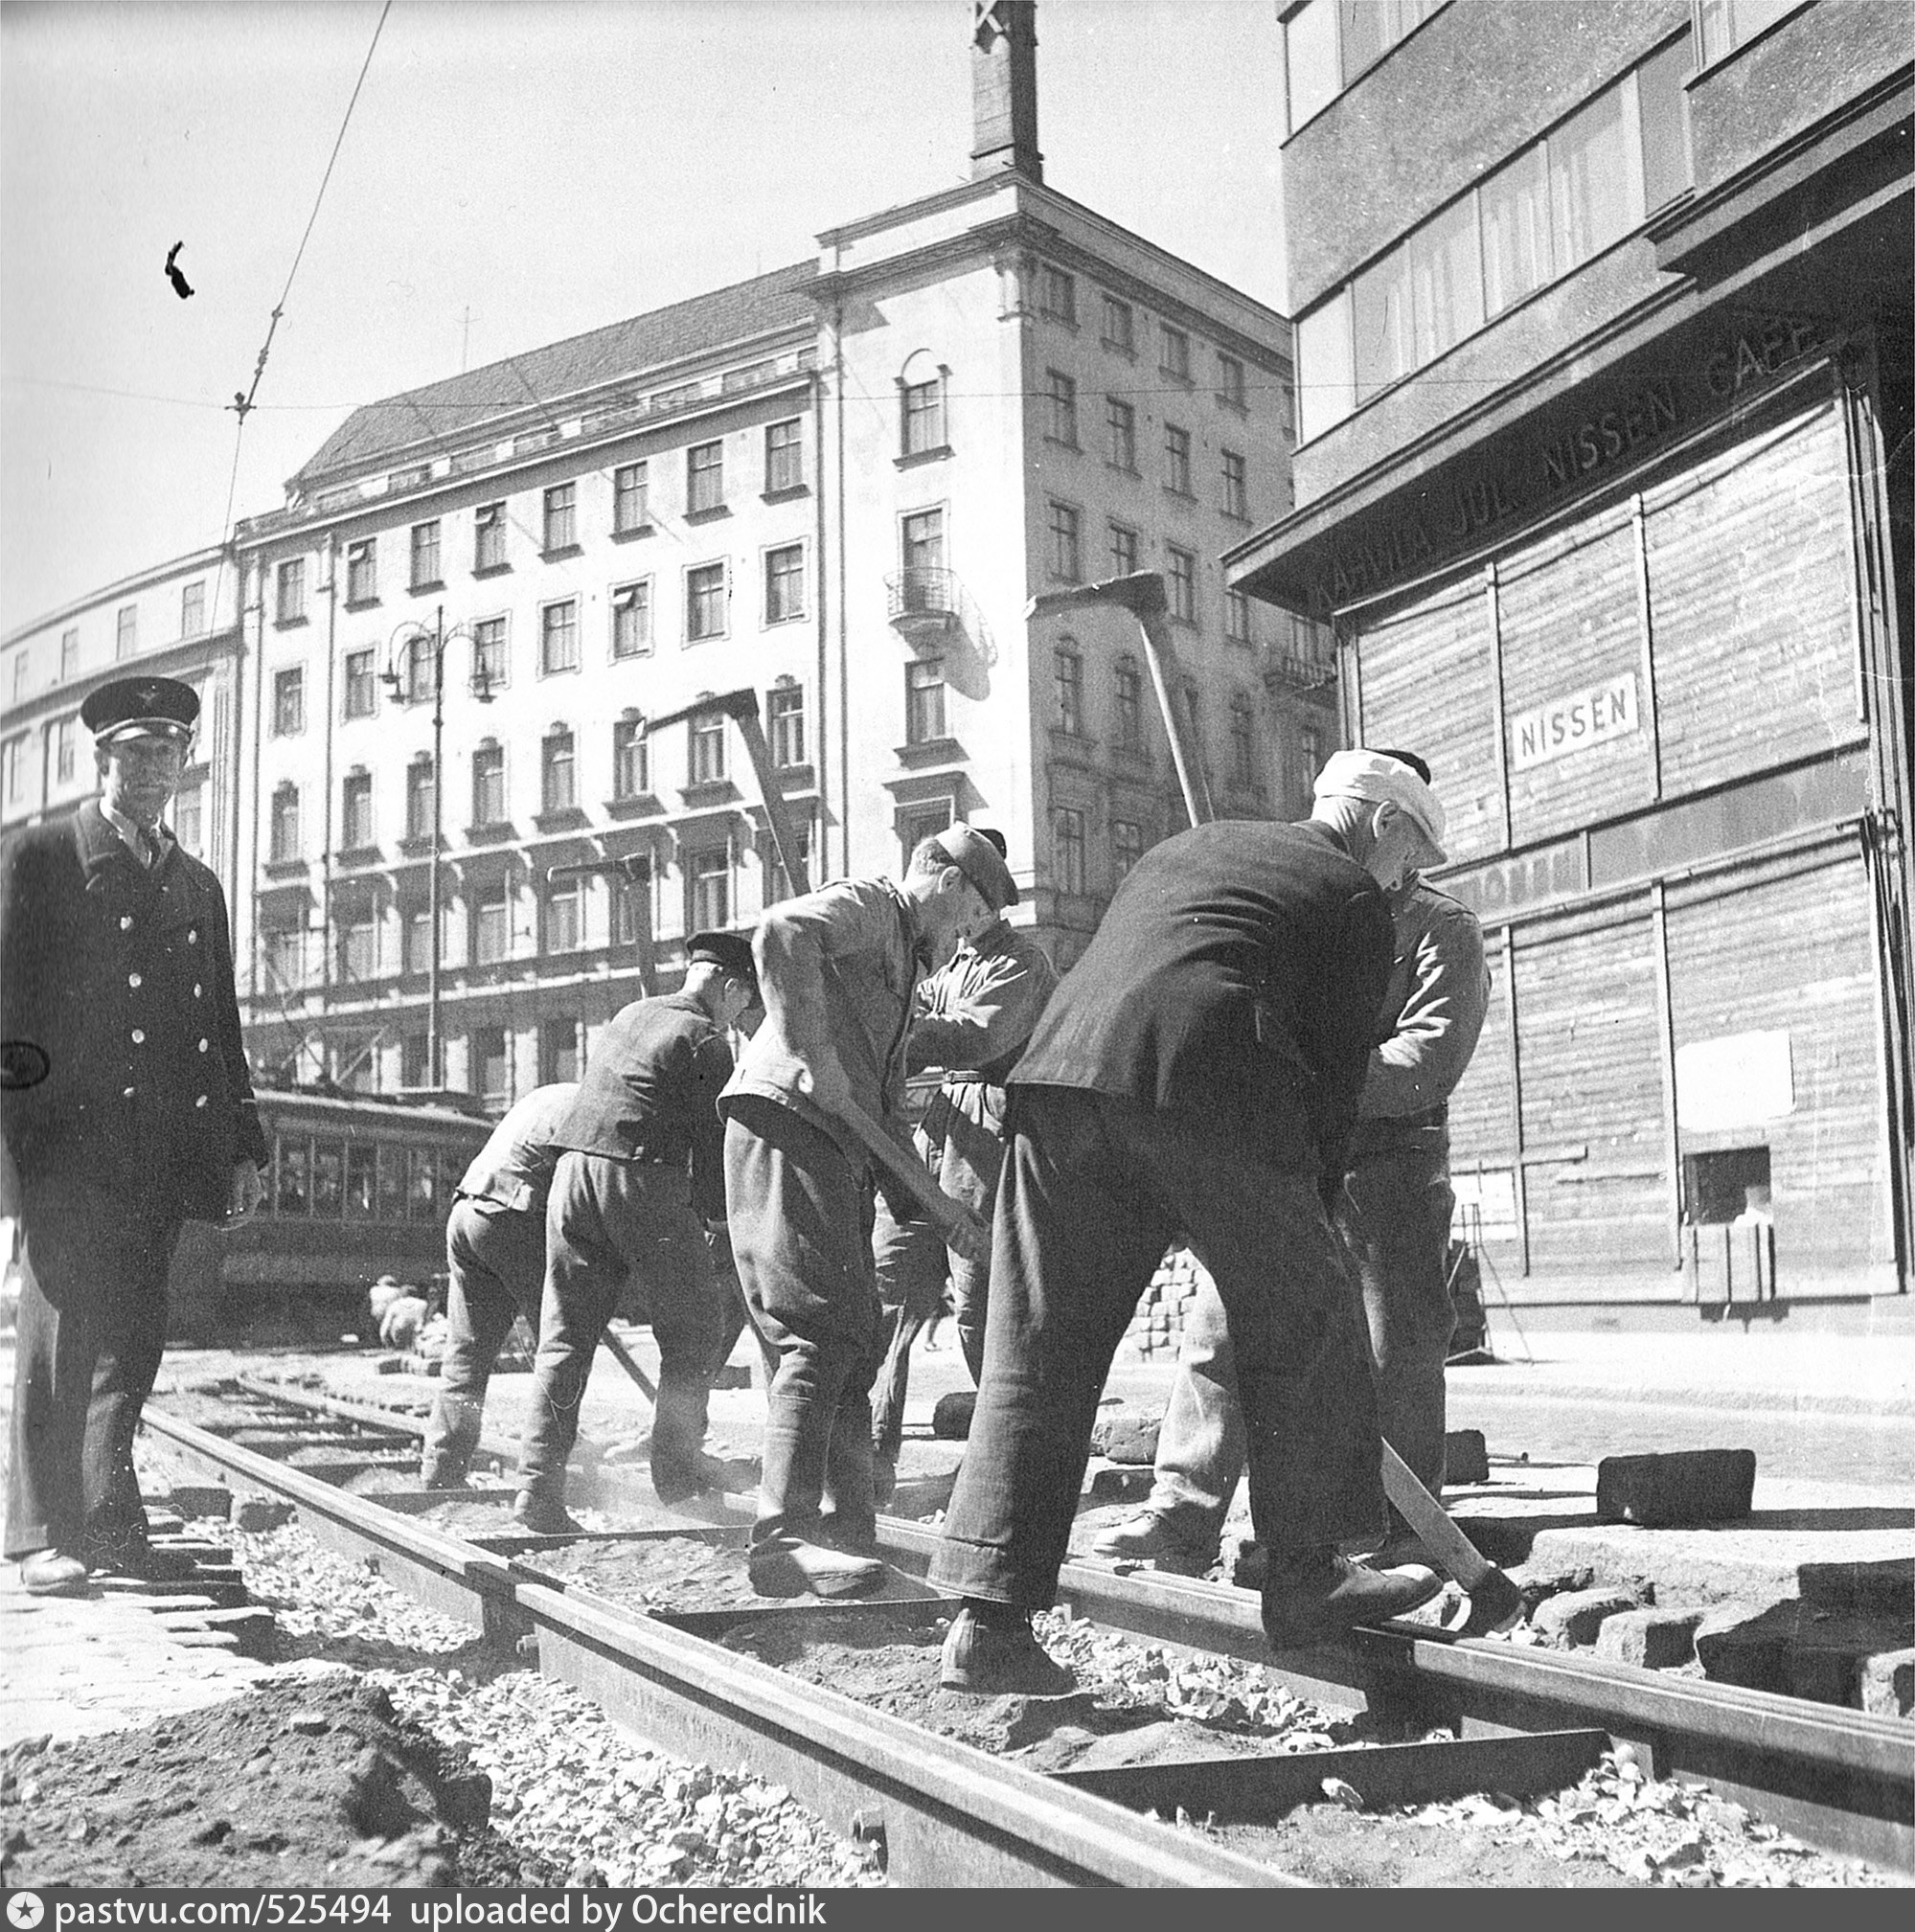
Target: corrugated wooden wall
pixel 1790 946
pixel 1751 591
pixel 1426 689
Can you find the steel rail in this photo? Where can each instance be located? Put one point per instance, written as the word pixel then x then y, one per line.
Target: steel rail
pixel 1839 1778
pixel 943 1813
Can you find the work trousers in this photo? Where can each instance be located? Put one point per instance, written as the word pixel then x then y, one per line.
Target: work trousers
pixel 1393 1217
pixel 91 1331
pixel 495 1267
pixel 614 1227
pixel 1094 1189
pixel 801 1222
pixel 959 1144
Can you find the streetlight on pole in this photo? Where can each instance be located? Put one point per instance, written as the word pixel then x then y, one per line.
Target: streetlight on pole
pixel 406 639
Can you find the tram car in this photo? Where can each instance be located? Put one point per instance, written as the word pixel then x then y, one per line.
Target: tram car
pixel 359 1186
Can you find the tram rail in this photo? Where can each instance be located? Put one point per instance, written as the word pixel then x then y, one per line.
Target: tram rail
pixel 942 1814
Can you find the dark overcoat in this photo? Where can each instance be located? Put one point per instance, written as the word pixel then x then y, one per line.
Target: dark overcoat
pixel 117 1002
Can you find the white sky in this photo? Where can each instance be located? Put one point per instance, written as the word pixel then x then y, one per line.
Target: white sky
pixel 549 167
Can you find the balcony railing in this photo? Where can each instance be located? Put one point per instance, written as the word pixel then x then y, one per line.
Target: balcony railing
pixel 923 599
pixel 1300 672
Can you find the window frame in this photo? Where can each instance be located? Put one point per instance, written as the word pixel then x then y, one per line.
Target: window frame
pixel 483 644
pixel 362 572
pixel 785 715
pixel 1180 581
pixel 489 521
pixel 356 812
pixel 631 482
pixel 421 799
pixel 776 453
pixel 1174 353
pixel 1070 850
pixel 1127 698
pixel 289 718
pixel 193 608
pixel 1068 683
pixel 1125 341
pixel 706 479
pixel 631 759
pixel 126 632
pixel 1120 422
pixel 632 597
pixel 558 758
pixel 706 749
pixel 359 681
pixel 797 612
pixel 1060 408
pixel 704 866
pixel 547 630
pixel 485 776
pixel 1177 459
pixel 284 834
pixel 1233 472
pixel 289 575
pixel 426 551
pixel 1057 294
pixel 695 589
pixel 558 519
pixel 1233 386
pixel 926 703
pixel 1124 547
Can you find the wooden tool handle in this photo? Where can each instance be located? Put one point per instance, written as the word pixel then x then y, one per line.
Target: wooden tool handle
pixel 963 1227
pixel 1433 1525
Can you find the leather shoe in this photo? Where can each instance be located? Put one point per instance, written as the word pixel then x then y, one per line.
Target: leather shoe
pixel 996 1653
pixel 1316 1596
pixel 544 1515
pixel 675 1482
pixel 791 1569
pixel 1151 1537
pixel 52 1573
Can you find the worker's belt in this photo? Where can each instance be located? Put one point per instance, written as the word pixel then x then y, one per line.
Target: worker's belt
pixel 1431 1117
pixel 966 1078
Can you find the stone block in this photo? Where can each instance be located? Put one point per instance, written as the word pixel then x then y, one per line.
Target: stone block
pixel 1466 1457
pixel 1889 1684
pixel 1885 1589
pixel 1797 1649
pixel 251 1626
pixel 1577 1615
pixel 950 1419
pixel 1689 1486
pixel 1654 1640
pixel 260 1512
pixel 1127 1437
pixel 1118 1486
pixel 200 1501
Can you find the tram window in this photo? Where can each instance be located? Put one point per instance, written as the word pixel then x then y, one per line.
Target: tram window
pixel 359 1181
pixel 451 1171
pixel 391 1183
pixel 421 1189
pixel 329 1178
pixel 293 1194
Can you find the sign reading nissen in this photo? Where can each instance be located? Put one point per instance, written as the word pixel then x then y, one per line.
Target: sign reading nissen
pixel 1571 723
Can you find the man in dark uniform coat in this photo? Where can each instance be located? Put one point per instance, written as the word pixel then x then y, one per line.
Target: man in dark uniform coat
pixel 496 1271
pixel 1195 1073
pixel 643 1163
pixel 126 1111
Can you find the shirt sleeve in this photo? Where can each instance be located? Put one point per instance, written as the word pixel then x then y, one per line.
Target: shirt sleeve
pixel 1419 1065
pixel 1367 951
pixel 990 1015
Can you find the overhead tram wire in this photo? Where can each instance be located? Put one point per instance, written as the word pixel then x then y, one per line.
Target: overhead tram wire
pixel 243 404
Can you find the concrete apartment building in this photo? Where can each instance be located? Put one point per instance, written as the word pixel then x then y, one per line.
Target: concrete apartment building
pixel 835 485
pixel 178 621
pixel 1604 324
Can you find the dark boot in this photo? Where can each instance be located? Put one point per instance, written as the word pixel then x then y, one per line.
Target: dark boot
pixel 1318 1596
pixel 991 1651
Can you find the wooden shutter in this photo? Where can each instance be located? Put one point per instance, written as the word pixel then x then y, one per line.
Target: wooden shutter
pixel 1425 686
pixel 1570 617
pixel 1751 597
pixel 1788 947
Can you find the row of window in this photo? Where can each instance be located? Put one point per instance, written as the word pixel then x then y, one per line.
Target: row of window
pixel 632 507
pixel 1120 447
pixel 707 762
pixel 479 929
pixel 328 1178
pixel 125 639
pixel 1065 562
pixel 1129 707
pixel 1557 203
pixel 1057 302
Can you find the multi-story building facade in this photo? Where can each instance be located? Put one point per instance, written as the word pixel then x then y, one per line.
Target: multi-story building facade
pixel 1603 341
pixel 837 485
pixel 178 621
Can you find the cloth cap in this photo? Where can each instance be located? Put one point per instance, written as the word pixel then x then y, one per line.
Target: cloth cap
pixel 729 950
pixel 1378 780
pixel 161 707
pixel 981 863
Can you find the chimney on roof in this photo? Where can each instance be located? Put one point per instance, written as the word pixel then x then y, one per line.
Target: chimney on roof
pixel 1004 88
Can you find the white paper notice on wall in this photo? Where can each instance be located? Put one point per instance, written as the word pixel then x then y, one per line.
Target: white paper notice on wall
pixel 1573 722
pixel 1739 1081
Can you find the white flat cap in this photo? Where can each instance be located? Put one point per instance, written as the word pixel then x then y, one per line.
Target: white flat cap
pixel 1371 776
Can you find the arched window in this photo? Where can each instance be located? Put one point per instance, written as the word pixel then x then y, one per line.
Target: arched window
pixel 920 406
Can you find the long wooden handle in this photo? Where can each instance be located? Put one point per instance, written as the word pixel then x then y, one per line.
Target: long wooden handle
pixel 622 1355
pixel 1435 1528
pixel 950 1214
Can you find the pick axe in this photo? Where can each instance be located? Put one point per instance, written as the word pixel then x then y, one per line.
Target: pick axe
pixel 1495 1602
